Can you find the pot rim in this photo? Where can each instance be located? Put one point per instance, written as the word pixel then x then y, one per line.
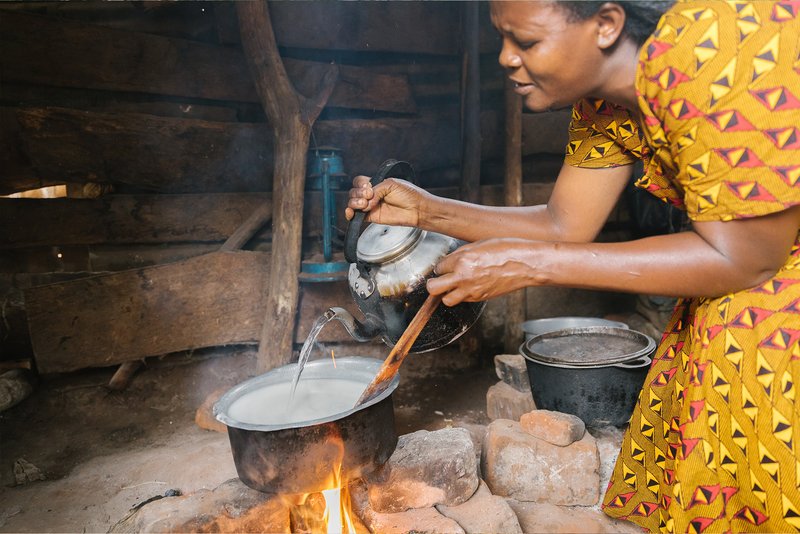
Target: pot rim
pixel 360 367
pixel 622 362
pixel 535 327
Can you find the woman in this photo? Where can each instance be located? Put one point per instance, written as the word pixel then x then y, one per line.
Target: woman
pixel 711 102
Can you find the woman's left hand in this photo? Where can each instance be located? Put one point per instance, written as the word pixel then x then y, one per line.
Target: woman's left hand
pixel 484 270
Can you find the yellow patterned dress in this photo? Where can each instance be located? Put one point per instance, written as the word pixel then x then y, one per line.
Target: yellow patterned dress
pixel 714 442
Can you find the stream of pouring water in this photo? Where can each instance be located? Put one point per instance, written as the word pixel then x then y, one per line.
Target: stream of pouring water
pixel 305 352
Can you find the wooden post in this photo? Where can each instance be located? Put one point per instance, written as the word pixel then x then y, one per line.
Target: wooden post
pixel 471 106
pixel 291 117
pixel 515 302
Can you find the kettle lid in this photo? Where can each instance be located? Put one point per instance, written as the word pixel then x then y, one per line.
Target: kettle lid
pixel 380 243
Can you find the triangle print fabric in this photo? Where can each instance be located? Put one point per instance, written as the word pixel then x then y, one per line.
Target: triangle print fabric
pixel 714 442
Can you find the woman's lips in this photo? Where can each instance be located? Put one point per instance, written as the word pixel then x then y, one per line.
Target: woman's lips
pixel 523 88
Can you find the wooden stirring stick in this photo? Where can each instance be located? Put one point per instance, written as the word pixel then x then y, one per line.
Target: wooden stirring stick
pixel 400 350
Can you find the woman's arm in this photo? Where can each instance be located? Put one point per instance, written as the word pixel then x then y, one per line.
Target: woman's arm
pixel 713 259
pixel 581 202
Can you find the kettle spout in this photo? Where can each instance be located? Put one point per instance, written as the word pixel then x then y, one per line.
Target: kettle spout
pixel 368 330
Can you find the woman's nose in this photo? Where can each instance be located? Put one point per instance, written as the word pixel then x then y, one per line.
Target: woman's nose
pixel 509 58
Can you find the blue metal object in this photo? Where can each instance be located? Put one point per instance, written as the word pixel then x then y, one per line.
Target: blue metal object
pixel 326 174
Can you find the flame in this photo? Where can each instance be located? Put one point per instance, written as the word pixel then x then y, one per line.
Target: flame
pixel 329 511
pixel 337 517
pixel 334 359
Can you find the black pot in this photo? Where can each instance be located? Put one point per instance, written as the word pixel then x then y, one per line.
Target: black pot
pixel 299 458
pixel 595 373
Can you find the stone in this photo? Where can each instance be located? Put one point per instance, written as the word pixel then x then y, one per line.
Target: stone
pixel 483 512
pixel 518 465
pixel 557 428
pixel 204 416
pixel 418 520
pixel 609 442
pixel 553 519
pixel 426 468
pixel 15 386
pixel 512 370
pixel 505 402
pixel 230 507
pixel 25 472
pixel 476 433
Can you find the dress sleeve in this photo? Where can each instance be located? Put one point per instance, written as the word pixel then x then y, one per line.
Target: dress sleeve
pixel 727 106
pixel 595 140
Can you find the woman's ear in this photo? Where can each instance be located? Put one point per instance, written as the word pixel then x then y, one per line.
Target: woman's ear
pixel 610 24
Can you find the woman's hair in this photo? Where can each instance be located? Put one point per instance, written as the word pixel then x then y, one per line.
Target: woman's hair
pixel 641 17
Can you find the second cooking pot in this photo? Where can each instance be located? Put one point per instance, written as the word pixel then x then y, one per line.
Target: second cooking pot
pixel 534 327
pixel 595 373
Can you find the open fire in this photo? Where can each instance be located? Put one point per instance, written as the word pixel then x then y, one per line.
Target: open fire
pixel 327 512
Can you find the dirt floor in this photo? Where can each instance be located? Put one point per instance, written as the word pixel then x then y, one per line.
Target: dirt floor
pixel 102 452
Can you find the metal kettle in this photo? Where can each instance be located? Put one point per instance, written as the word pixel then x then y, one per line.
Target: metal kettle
pixel 389 266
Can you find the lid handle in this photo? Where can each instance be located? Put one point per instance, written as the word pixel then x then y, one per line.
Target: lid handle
pixel 389 168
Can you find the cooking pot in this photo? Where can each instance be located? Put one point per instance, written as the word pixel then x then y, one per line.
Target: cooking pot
pixel 550 324
pixel 595 373
pixel 300 456
pixel 389 266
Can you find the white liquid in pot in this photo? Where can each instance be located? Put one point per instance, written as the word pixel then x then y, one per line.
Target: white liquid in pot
pixel 314 399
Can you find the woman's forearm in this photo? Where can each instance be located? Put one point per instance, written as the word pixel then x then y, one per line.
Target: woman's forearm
pixel 649 266
pixel 473 222
pixel 713 259
pixel 579 206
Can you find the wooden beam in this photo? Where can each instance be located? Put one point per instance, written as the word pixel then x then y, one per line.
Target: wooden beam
pixel 120 219
pixel 109 319
pixel 87 56
pixel 404 27
pixel 470 106
pixel 156 220
pixel 15 339
pixel 172 155
pixel 291 116
pixel 16 171
pixel 515 301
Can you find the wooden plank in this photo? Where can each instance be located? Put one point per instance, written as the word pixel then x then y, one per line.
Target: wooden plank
pixel 118 219
pixel 185 19
pixel 116 222
pixel 184 156
pixel 214 299
pixel 89 56
pixel 15 341
pixel 16 171
pixel 386 27
pixel 26 95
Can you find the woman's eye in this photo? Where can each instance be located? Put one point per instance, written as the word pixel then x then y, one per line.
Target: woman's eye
pixel 526 45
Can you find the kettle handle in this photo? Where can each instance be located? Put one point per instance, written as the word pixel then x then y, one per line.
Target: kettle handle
pixel 389 168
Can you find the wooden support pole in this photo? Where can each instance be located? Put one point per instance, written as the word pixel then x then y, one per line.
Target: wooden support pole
pixel 515 302
pixel 291 117
pixel 471 106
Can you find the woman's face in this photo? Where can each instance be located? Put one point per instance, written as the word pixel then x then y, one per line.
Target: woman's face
pixel 552 61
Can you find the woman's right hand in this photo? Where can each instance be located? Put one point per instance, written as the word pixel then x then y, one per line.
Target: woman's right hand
pixel 393 201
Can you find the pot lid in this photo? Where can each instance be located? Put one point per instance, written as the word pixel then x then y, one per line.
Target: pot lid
pixel 588 347
pixel 380 243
